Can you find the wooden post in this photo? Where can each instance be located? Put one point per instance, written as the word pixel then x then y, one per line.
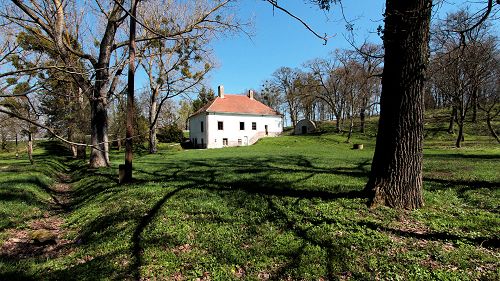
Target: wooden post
pixel 130 97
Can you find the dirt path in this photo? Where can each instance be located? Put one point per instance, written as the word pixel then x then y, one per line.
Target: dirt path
pixel 44 236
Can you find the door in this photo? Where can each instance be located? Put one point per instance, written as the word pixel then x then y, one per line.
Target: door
pixel 245 140
pixel 267 132
pixel 304 130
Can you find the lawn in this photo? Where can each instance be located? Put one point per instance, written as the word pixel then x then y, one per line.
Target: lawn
pixel 287 208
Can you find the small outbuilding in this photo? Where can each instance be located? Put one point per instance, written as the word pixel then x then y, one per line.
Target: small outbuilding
pixel 305 126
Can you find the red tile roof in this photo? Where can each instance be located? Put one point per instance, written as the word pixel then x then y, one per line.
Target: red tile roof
pixel 237 104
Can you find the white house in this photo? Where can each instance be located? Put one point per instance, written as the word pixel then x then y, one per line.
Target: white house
pixel 233 120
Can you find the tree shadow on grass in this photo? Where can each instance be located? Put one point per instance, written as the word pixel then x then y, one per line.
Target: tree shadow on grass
pixel 254 185
pixel 212 177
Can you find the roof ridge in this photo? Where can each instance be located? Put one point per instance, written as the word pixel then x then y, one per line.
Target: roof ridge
pixel 236 103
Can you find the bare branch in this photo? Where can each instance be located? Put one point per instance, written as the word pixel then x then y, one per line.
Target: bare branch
pixel 274 3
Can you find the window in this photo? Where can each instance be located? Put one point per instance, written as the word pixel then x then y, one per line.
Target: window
pixel 239 141
pixel 242 125
pixel 254 126
pixel 220 125
pixel 202 127
pixel 224 141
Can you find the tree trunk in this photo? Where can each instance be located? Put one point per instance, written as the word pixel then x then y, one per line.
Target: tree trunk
pixel 129 154
pixel 351 125
pixel 17 146
pixel 396 172
pixel 474 105
pixel 460 136
pixel 337 123
pixel 152 127
pixel 72 147
pixel 362 117
pixel 453 117
pixel 30 147
pixel 4 142
pixel 490 127
pixel 99 133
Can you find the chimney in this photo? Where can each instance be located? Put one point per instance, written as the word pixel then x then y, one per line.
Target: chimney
pixel 250 94
pixel 221 91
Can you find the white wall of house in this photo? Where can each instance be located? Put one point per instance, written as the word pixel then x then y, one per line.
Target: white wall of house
pixel 197 136
pixel 231 133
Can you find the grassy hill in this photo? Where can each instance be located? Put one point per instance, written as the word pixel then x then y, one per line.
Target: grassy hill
pixel 287 208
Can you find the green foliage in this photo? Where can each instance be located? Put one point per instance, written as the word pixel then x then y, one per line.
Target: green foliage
pixel 204 97
pixel 11 80
pixel 170 133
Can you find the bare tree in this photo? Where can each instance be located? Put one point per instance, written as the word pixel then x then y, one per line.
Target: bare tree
pixel 286 81
pixel 462 65
pixel 177 65
pixel 489 97
pixel 59 25
pixel 369 58
pixel 327 74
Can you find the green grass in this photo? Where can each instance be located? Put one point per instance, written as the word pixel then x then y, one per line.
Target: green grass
pixel 287 208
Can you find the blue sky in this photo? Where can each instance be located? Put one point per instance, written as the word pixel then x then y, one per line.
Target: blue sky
pixel 279 40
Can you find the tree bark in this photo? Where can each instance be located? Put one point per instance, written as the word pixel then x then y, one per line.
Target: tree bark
pixel 99 133
pixel 396 172
pixel 474 105
pixel 362 116
pixel 338 125
pixel 72 147
pixel 30 147
pixel 17 146
pixel 129 155
pixel 351 126
pixel 152 128
pixel 460 136
pixel 453 117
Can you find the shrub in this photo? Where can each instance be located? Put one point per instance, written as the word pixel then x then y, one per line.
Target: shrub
pixel 170 133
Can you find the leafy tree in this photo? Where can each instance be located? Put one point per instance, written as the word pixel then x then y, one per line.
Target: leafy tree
pixel 170 133
pixel 204 96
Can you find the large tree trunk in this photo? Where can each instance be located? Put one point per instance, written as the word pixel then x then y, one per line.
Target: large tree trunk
pixel 396 172
pixel 99 133
pixel 338 127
